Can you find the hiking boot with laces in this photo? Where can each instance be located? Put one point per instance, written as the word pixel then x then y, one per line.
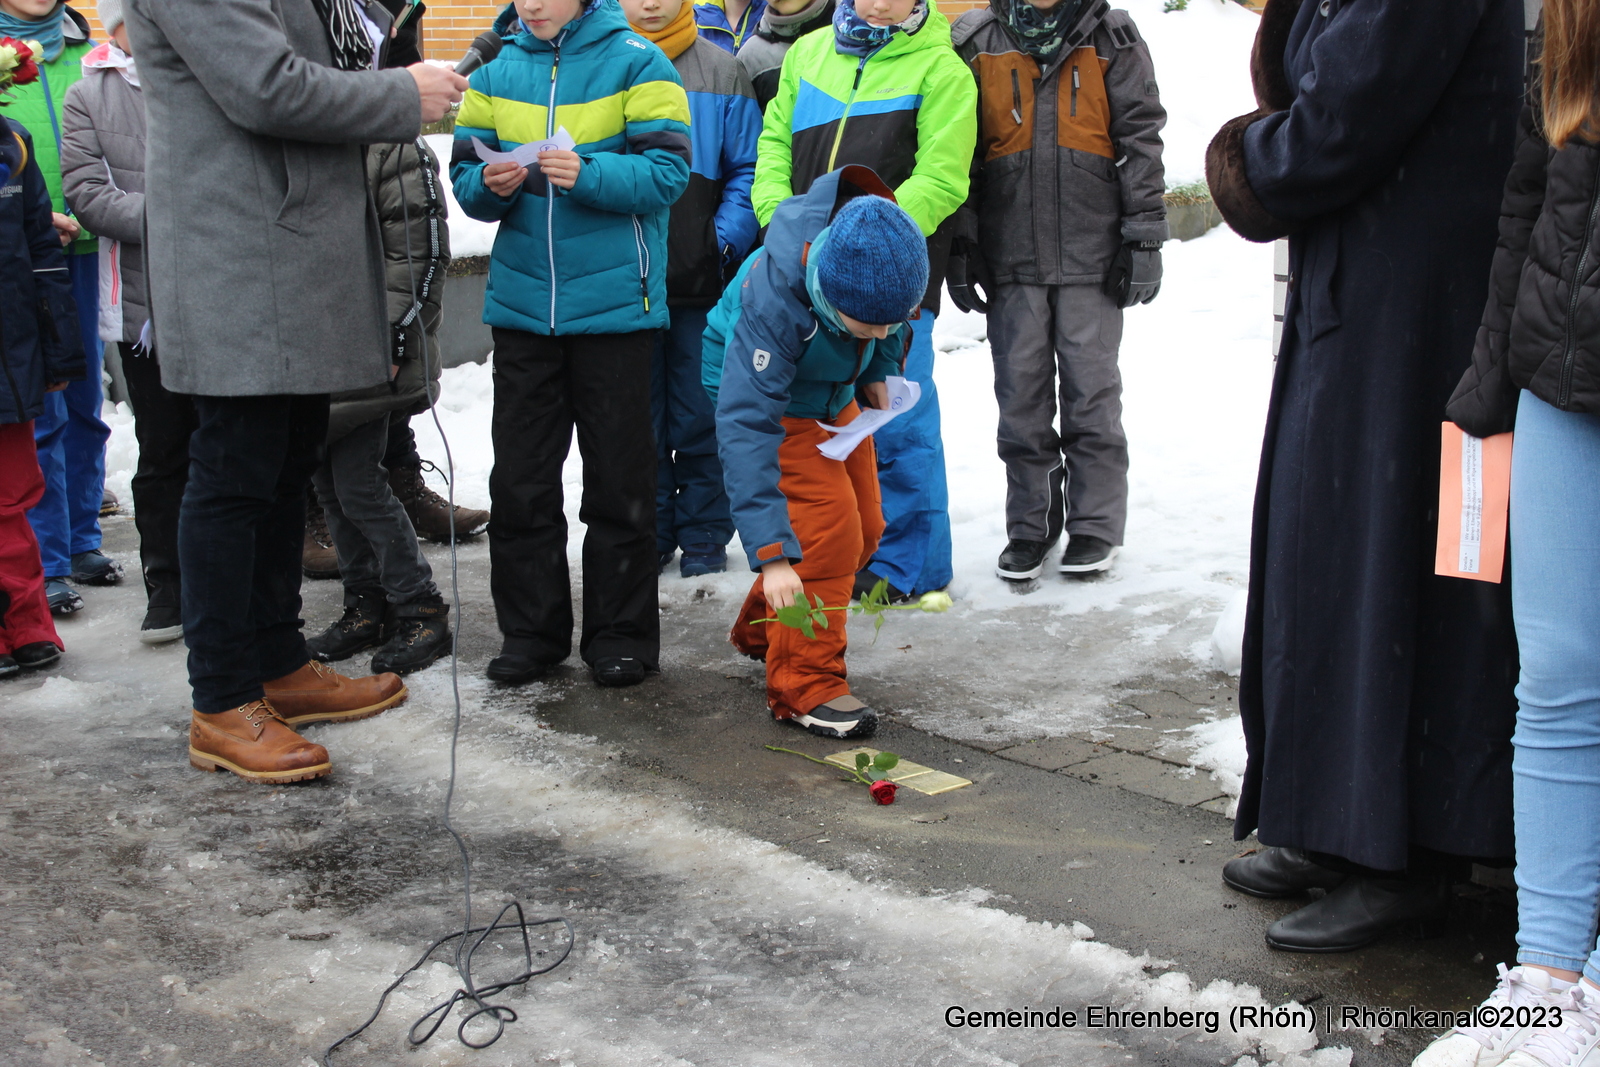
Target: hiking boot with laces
pixel 318 693
pixel 419 633
pixel 361 626
pixel 254 742
pixel 317 556
pixel 430 513
pixel 1574 1042
pixel 1488 1046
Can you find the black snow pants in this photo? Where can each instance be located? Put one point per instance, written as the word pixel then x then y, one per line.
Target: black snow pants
pixel 543 387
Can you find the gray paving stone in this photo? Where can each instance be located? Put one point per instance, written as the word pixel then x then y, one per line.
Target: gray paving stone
pixel 1126 737
pixel 1147 777
pixel 1053 753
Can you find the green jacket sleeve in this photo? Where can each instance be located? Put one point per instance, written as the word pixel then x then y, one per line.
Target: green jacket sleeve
pixel 947 133
pixel 774 169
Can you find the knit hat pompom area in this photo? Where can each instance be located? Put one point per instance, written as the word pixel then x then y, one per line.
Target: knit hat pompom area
pixel 110 12
pixel 874 265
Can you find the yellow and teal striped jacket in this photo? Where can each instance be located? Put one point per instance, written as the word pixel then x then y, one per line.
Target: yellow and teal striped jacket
pixel 592 259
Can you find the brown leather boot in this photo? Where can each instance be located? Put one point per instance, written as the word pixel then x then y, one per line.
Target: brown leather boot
pixel 318 559
pixel 255 743
pixel 430 513
pixel 316 693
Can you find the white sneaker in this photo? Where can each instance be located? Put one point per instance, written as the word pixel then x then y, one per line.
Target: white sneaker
pixel 1488 1046
pixel 1573 1043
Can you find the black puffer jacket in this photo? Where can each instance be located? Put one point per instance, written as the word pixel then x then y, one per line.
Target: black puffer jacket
pixel 407 190
pixel 1541 328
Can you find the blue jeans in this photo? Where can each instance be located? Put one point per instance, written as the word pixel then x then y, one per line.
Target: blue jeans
pixel 691 503
pixel 72 441
pixel 1555 593
pixel 914 552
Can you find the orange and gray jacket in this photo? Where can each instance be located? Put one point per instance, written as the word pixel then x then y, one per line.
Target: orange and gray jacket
pixel 1068 164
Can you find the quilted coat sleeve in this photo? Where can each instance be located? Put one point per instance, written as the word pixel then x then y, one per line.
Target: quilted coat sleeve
pixel 1485 401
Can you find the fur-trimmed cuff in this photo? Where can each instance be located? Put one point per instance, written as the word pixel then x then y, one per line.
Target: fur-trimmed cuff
pixel 1267 75
pixel 1230 187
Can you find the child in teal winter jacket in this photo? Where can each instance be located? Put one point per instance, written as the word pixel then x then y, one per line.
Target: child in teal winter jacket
pixel 577 290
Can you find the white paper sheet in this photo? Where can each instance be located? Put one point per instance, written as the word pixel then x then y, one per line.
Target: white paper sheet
pixel 526 155
pixel 903 396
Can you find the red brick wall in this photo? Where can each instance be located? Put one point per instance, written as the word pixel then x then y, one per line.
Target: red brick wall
pixel 450 25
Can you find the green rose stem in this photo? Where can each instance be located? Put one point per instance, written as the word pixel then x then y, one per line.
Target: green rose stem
pixel 879 766
pixel 807 617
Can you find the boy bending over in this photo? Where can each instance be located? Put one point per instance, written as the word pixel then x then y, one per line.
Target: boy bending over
pixel 808 329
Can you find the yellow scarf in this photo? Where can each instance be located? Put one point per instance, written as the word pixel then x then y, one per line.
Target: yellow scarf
pixel 675 38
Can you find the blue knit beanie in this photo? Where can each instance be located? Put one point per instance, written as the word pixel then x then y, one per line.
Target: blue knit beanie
pixel 874 264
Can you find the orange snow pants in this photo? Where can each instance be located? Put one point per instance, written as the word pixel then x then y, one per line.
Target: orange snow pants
pixel 837 516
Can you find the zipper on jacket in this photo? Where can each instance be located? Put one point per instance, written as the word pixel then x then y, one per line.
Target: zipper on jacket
pixel 11 378
pixel 550 189
pixel 644 261
pixel 1564 390
pixel 1075 86
pixel 838 136
pixel 1016 97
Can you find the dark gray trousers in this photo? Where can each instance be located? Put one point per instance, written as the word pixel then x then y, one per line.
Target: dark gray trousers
pixel 373 536
pixel 1050 340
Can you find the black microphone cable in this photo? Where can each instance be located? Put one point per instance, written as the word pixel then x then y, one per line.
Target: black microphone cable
pixel 511 916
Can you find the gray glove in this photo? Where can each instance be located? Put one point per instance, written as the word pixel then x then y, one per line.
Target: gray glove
pixel 1135 275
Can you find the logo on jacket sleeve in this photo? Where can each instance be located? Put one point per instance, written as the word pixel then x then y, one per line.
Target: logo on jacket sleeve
pixel 761 359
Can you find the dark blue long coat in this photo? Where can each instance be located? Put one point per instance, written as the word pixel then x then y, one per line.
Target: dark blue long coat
pixel 1377 698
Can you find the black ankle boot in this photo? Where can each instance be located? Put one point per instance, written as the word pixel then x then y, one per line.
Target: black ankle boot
pixel 1278 872
pixel 358 628
pixel 1362 910
pixel 419 633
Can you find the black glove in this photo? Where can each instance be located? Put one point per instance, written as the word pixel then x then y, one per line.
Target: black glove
pixel 966 271
pixel 1135 275
pixel 965 274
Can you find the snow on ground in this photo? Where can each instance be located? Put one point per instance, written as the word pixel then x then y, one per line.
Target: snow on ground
pixel 1202 61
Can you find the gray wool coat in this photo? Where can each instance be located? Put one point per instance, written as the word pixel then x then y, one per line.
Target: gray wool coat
pixel 102 177
pixel 262 243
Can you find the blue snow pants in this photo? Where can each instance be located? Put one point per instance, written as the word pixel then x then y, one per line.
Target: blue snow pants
pixel 71 440
pixel 914 552
pixel 691 503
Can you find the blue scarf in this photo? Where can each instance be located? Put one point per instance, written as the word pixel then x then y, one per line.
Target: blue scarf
pixel 821 305
pixel 47 31
pixel 855 36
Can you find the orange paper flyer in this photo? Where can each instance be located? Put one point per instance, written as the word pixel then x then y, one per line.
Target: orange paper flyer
pixel 1474 498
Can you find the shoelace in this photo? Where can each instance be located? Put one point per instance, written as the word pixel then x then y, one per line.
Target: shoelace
pixel 259 709
pixel 1513 990
pixel 1565 1046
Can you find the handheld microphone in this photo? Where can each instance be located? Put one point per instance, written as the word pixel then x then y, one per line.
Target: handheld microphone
pixel 483 48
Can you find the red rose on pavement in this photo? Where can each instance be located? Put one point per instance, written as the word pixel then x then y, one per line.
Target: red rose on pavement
pixel 883 792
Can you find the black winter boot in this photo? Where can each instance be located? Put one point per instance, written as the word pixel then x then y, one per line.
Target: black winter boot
pixel 359 627
pixel 419 634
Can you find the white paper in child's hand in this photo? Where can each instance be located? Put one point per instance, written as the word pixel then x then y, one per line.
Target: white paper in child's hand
pixel 526 155
pixel 903 396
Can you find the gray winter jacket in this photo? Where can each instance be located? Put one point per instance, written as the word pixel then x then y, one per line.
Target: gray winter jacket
pixel 416 251
pixel 266 263
pixel 1069 155
pixel 102 177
